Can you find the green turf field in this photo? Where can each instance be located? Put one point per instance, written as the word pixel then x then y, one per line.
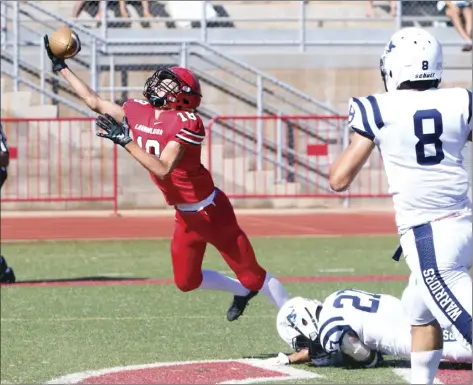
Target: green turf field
pixel 51 331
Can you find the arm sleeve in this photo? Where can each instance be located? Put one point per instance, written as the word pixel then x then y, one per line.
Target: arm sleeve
pixel 332 332
pixel 364 117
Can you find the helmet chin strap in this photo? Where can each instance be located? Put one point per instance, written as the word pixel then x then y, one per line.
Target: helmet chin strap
pixel 384 82
pixel 157 101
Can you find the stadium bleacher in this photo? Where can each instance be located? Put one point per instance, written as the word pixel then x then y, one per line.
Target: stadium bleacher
pixel 326 72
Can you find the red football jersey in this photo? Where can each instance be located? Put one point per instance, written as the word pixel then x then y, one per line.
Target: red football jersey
pixel 190 182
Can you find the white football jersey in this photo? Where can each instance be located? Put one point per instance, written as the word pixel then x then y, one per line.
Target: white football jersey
pixel 380 323
pixel 421 135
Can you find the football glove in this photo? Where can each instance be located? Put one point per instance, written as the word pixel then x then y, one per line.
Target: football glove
pixel 118 133
pixel 280 360
pixel 58 63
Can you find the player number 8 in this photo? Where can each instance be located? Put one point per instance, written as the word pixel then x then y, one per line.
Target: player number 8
pixel 432 138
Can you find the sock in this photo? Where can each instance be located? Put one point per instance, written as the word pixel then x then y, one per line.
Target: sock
pixel 424 366
pixel 213 280
pixel 274 290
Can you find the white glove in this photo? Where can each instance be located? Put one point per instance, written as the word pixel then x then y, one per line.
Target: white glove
pixel 280 360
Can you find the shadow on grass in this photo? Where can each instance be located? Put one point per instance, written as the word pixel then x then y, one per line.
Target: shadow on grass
pixel 84 279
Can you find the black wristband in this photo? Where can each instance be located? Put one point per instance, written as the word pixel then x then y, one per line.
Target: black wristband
pixel 58 65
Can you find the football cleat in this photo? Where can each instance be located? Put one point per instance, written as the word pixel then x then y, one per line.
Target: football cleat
pixel 239 305
pixel 6 274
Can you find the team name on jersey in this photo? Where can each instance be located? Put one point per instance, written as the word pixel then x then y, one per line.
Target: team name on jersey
pixel 441 296
pixel 448 336
pixel 148 130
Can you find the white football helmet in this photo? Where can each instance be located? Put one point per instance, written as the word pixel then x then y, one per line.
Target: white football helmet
pixel 297 322
pixel 412 54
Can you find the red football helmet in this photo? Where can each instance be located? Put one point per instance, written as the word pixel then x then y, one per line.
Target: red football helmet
pixel 174 87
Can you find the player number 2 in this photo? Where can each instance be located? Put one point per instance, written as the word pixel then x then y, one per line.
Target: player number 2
pixel 432 138
pixel 356 297
pixel 190 116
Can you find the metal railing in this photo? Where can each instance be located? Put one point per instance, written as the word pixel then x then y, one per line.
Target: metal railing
pixel 419 13
pixel 185 51
pixel 256 92
pixel 58 163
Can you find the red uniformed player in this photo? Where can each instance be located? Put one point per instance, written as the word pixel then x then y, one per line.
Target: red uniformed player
pixel 164 134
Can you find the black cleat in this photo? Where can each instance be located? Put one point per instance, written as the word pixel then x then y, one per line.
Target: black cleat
pixel 239 305
pixel 6 274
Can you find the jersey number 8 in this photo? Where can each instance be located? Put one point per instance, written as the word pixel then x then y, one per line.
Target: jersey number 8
pixel 432 138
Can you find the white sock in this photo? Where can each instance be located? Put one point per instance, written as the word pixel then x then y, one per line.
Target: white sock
pixel 274 290
pixel 424 366
pixel 213 280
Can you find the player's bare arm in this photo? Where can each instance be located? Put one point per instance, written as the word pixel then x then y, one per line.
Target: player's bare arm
pixel 91 99
pixel 299 357
pixel 162 166
pixel 119 133
pixel 349 163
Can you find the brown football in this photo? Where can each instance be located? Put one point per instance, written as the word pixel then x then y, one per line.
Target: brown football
pixel 63 43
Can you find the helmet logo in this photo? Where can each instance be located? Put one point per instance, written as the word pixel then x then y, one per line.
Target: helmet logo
pixel 292 317
pixel 390 47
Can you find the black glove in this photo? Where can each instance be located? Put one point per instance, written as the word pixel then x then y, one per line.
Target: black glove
pixel 58 63
pixel 118 133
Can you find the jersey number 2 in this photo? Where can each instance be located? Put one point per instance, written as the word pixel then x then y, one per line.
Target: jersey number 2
pixel 356 297
pixel 432 138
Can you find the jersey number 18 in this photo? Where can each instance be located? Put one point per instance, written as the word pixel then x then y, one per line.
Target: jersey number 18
pixel 432 138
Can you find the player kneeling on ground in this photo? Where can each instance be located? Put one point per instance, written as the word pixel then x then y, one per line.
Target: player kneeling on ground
pixel 164 134
pixel 351 328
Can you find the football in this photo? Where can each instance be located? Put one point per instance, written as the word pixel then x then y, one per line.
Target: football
pixel 63 43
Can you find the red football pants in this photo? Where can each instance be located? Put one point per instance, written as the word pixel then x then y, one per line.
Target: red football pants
pixel 217 225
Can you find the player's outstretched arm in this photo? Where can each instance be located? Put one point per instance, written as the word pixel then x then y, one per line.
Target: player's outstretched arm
pixel 294 358
pixel 349 163
pixel 162 166
pixel 90 97
pixel 299 357
pixel 119 133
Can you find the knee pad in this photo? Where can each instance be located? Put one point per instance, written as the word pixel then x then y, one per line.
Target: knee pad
pixel 251 280
pixel 414 306
pixel 186 284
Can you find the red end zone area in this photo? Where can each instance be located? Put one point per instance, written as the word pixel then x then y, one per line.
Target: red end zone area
pixel 161 226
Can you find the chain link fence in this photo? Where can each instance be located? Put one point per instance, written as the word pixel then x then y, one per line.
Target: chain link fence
pixel 425 14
